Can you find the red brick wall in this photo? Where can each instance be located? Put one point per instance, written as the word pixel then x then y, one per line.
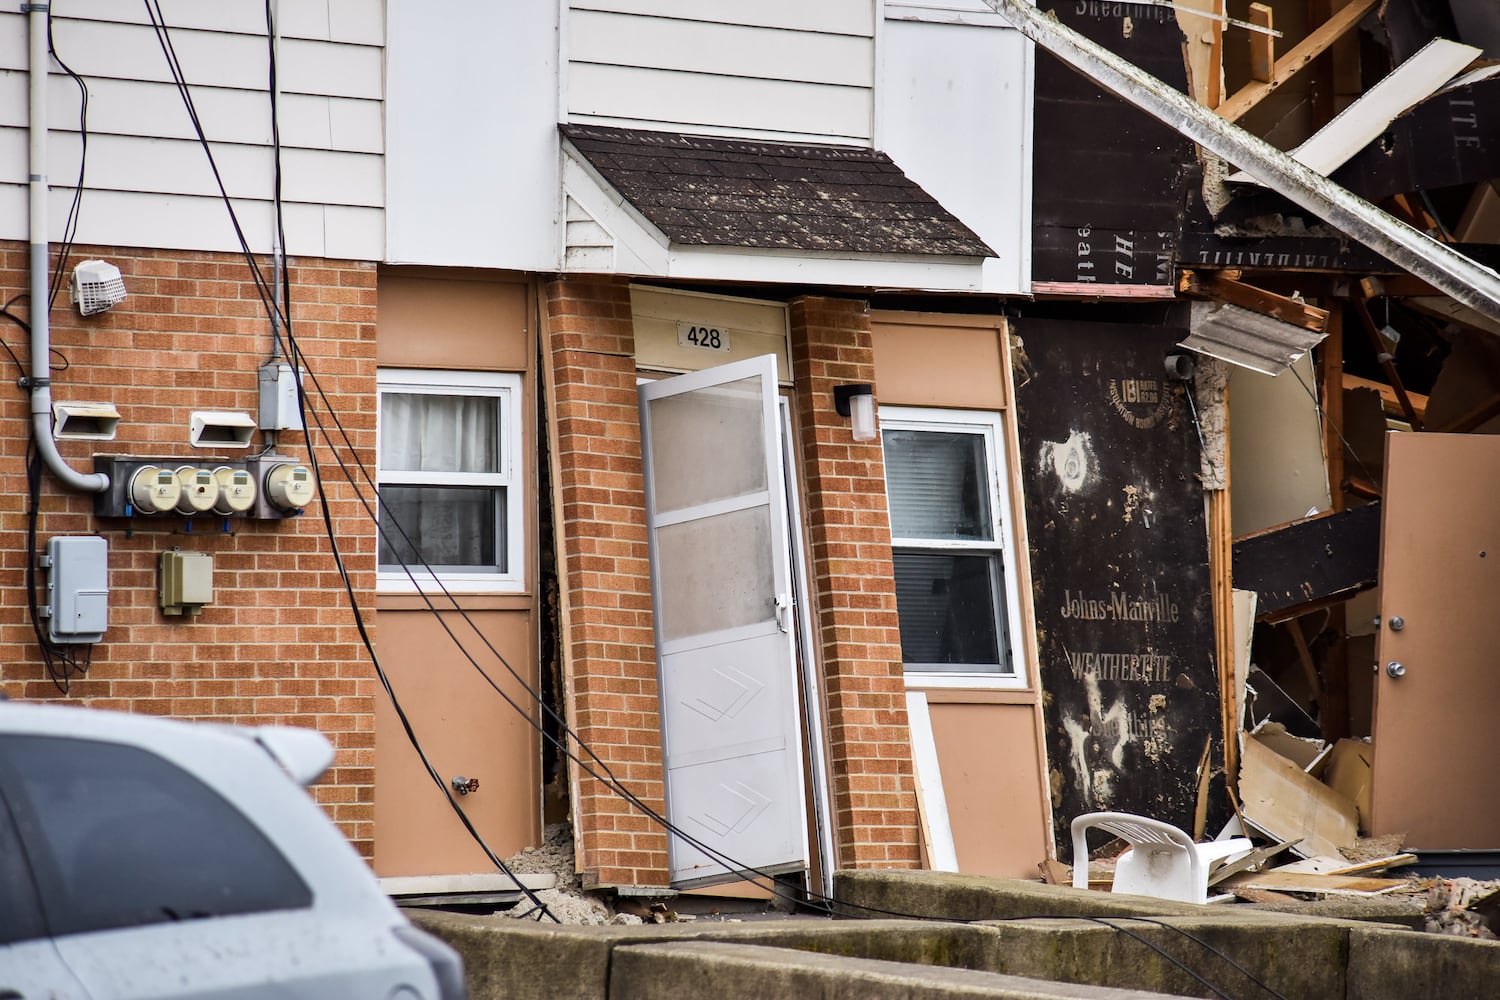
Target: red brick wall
pixel 604 558
pixel 849 528
pixel 278 643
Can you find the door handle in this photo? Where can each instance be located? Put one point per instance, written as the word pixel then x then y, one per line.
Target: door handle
pixel 781 605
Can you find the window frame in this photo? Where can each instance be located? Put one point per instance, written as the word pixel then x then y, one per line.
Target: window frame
pixel 989 426
pixel 505 387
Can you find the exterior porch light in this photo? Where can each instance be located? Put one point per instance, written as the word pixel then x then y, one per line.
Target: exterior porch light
pixel 857 402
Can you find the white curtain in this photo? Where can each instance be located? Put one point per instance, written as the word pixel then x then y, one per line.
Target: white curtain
pixel 426 432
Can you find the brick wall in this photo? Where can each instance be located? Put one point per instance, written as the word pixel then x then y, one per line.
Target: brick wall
pixel 854 583
pixel 278 643
pixel 589 346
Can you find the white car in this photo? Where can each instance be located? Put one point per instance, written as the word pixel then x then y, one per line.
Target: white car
pixel 149 858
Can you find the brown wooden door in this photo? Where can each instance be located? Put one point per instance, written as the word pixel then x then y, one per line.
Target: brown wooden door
pixel 1436 724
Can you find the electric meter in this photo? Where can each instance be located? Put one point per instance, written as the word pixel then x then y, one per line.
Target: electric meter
pixel 200 490
pixel 289 487
pixel 154 490
pixel 236 490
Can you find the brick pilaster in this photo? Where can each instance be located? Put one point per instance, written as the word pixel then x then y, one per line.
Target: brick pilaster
pixel 603 552
pixel 849 527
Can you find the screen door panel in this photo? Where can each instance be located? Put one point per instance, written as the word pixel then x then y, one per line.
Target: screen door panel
pixel 722 592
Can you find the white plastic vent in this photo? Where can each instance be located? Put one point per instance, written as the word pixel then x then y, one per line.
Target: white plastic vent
pixel 96 287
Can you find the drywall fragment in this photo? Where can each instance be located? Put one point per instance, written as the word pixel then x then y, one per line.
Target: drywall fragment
pixel 1281 799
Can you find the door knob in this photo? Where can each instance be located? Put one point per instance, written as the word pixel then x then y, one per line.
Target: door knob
pixel 1395 669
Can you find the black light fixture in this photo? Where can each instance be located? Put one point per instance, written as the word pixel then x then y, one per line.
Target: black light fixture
pixel 856 401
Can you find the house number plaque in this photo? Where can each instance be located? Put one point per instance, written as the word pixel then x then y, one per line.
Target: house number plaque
pixel 703 337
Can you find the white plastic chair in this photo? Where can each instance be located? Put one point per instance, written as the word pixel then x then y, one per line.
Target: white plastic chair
pixel 1162 860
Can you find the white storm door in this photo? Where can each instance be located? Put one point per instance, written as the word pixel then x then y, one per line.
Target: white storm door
pixel 722 593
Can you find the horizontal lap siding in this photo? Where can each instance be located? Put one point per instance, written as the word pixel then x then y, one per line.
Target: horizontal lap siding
pixel 145 164
pixel 774 69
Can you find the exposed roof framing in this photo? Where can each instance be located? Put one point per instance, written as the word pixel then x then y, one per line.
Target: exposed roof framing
pixel 1456 275
pixel 1289 65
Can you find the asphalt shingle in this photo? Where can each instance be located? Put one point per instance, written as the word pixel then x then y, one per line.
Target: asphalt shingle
pixel 714 191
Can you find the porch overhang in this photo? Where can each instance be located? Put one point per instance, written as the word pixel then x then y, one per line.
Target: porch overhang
pixel 671 205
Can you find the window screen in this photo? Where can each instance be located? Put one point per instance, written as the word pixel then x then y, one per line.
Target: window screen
pixel 120 837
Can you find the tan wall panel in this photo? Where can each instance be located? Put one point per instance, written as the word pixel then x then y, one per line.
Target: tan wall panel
pixel 992 781
pixel 467 729
pixel 932 359
pixel 452 322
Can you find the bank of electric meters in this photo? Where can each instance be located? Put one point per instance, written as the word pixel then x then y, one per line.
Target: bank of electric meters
pixel 266 486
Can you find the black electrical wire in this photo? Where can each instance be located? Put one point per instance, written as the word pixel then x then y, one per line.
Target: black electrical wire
pixel 607 778
pixel 70 228
pixel 1336 428
pixel 163 35
pixel 63 662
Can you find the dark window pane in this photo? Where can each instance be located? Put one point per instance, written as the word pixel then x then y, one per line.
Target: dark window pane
pixel 938 486
pixel 19 918
pixel 949 607
pixel 119 837
pixel 449 527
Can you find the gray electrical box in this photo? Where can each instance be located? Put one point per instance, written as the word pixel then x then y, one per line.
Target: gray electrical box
pixel 77 588
pixel 280 409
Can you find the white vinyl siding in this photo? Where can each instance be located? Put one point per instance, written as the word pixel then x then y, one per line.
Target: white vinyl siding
pixel 145 162
pixel 791 71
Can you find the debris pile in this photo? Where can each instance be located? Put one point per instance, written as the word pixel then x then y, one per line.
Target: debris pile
pixel 566 900
pixel 1464 907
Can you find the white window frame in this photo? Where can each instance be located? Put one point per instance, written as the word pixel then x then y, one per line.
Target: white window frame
pixel 506 388
pixel 989 426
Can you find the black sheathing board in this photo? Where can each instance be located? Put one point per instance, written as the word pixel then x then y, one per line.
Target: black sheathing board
pixel 1119 562
pixel 1110 182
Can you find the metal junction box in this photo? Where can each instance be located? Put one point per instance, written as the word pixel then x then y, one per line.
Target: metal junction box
pixel 77 588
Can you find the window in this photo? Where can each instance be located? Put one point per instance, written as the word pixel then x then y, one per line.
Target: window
pixel 950 537
pixel 450 501
pixel 19 918
pixel 119 837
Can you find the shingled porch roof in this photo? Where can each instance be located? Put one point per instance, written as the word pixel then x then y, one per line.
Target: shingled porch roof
pixel 711 191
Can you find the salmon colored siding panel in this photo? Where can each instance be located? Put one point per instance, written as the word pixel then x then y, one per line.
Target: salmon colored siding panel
pixel 934 359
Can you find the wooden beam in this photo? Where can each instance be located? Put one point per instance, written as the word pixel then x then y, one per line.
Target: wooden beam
pixel 1219 287
pixel 1387 363
pixel 1324 558
pixel 1388 398
pixel 1289 65
pixel 1395 286
pixel 1330 355
pixel 1262 44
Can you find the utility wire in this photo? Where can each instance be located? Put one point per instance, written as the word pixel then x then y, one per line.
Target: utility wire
pixel 163 35
pixel 70 227
pixel 605 775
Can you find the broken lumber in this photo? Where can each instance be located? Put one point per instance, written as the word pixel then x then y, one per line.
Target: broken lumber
pixel 1329 885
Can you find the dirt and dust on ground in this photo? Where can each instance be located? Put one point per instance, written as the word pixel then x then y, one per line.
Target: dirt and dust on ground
pixel 570 903
pixel 566 900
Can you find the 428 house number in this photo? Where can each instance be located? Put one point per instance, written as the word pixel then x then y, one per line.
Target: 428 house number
pixel 703 337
